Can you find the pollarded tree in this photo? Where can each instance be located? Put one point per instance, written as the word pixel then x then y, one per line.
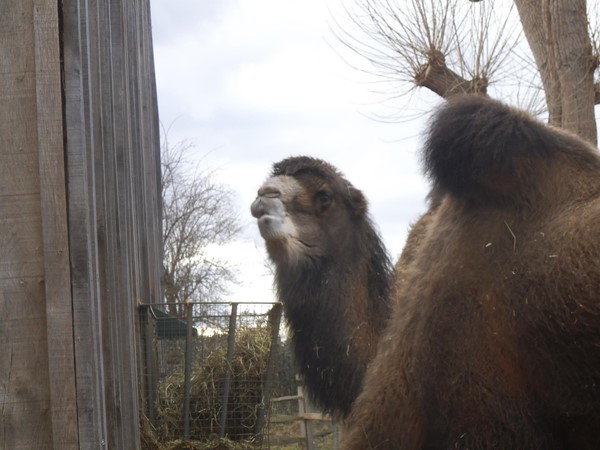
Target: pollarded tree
pixel 197 213
pixel 458 46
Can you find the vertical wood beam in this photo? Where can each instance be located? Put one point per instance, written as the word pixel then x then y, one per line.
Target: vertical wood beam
pixel 57 276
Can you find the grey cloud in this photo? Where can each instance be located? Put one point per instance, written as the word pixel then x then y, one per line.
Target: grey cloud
pixel 171 18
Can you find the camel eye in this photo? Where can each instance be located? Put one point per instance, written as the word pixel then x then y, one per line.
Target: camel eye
pixel 323 200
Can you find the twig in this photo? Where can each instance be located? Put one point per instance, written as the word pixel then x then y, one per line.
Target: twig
pixel 513 235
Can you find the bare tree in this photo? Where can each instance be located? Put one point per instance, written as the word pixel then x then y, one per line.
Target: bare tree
pixel 197 213
pixel 460 46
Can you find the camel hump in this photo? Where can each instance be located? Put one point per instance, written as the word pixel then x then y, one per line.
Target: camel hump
pixel 480 147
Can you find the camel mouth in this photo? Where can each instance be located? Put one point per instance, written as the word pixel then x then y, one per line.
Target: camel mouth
pixel 274 227
pixel 267 219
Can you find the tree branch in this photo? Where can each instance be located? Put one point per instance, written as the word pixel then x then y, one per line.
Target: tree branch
pixel 437 77
pixel 197 212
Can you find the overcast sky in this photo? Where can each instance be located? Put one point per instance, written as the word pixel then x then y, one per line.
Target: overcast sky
pixel 251 82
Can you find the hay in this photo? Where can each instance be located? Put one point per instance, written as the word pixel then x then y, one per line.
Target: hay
pixel 212 444
pixel 248 368
pixel 149 441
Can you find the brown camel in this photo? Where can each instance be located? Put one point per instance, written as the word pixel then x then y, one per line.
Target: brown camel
pixel 332 274
pixel 494 335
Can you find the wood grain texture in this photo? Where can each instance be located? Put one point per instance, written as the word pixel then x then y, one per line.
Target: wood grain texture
pixel 114 209
pixel 81 248
pixel 51 157
pixel 25 419
pixel 81 134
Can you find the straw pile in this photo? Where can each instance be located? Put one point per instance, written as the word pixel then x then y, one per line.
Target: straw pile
pixel 207 384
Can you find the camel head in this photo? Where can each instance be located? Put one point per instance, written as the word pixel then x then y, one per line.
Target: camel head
pixel 306 211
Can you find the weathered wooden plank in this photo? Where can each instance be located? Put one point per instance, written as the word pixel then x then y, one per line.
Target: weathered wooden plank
pixel 284 418
pixel 102 71
pixel 286 398
pixel 81 130
pixel 18 295
pixel 147 167
pixel 24 388
pixel 59 318
pixel 18 207
pixel 21 248
pixel 125 120
pixel 110 236
pixel 18 171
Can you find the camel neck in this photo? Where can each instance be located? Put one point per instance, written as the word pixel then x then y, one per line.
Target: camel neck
pixel 335 318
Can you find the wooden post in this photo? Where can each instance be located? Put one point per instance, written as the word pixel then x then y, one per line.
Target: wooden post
pixel 274 324
pixel 150 364
pixel 337 435
pixel 189 310
pixel 306 427
pixel 228 368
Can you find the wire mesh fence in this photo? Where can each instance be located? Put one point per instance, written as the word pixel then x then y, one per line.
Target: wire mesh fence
pixel 211 368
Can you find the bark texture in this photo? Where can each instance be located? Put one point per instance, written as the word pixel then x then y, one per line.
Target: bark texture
pixel 436 76
pixel 557 32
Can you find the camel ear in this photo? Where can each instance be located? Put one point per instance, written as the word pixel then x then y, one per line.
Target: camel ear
pixel 358 201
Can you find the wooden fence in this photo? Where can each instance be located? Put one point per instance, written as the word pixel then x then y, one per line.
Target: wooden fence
pixel 311 425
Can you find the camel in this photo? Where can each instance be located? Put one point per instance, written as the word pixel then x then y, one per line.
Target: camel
pixel 493 339
pixel 331 267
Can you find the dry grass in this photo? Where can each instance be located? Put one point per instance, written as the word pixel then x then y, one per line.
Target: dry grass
pixel 248 367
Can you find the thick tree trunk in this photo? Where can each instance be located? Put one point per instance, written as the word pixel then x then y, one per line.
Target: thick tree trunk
pixel 557 32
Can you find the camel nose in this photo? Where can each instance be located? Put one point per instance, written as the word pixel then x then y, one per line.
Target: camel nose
pixel 264 202
pixel 269 192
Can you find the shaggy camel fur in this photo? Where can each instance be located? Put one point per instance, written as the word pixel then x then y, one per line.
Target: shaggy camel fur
pixel 494 335
pixel 332 275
